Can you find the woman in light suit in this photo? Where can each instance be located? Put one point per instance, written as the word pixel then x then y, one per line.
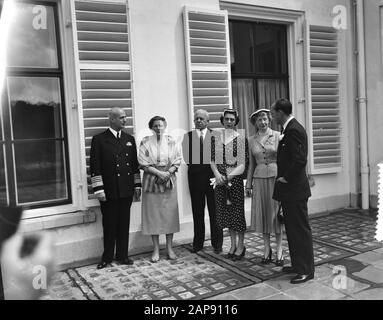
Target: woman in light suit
pixel 159 157
pixel 263 148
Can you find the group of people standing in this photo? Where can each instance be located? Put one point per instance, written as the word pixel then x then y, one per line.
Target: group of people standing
pixel 272 163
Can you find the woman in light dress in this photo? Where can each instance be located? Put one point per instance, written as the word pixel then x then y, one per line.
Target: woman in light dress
pixel 159 157
pixel 263 148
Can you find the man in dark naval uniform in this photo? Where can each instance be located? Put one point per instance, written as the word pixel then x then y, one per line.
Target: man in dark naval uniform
pixel 115 180
pixel 196 147
pixel 292 189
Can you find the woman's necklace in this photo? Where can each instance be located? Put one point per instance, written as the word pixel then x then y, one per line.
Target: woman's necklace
pixel 263 135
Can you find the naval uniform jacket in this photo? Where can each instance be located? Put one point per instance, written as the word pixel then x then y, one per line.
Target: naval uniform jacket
pixel 114 165
pixel 291 163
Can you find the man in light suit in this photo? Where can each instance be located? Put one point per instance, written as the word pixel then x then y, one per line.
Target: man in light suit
pixel 196 148
pixel 115 180
pixel 293 190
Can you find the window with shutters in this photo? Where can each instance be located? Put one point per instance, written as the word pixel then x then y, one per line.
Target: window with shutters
pixel 103 59
pixel 325 123
pixel 34 169
pixel 207 62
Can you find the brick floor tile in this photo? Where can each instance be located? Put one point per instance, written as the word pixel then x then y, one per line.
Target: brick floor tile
pixel 371 294
pixel 345 285
pixel 370 273
pixel 254 292
pixel 314 291
pixel 224 296
pixel 368 257
pixel 279 296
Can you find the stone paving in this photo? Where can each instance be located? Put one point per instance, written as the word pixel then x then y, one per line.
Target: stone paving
pixel 349 266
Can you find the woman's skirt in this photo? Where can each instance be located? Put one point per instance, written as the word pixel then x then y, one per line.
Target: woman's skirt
pixel 160 211
pixel 264 208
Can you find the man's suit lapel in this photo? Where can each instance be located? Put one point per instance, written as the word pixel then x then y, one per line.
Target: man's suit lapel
pixel 124 140
pixel 207 142
pixel 195 141
pixel 289 125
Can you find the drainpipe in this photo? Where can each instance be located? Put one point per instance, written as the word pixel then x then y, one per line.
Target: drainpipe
pixel 362 105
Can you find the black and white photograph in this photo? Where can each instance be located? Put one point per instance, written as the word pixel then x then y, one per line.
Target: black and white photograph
pixel 203 151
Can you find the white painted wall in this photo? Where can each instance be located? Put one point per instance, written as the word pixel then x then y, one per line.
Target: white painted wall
pixel 374 72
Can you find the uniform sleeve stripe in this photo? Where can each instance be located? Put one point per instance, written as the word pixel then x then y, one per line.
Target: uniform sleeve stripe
pixel 98 189
pixel 97 182
pixel 137 178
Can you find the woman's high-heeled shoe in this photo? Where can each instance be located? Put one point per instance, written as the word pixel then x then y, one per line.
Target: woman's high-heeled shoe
pixel 279 262
pixel 239 257
pixel 230 255
pixel 155 258
pixel 268 259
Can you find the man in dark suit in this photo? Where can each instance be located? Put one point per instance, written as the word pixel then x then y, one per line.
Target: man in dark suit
pixel 196 147
pixel 292 189
pixel 115 180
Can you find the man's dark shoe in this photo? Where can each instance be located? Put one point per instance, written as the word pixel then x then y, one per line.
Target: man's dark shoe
pixel 289 270
pixel 102 265
pixel 195 250
pixel 127 261
pixel 217 250
pixel 301 278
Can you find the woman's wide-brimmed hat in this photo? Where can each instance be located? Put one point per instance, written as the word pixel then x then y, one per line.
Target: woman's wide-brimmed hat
pixel 255 114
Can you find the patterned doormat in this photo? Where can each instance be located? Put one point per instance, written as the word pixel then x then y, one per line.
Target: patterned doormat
pixel 251 263
pixel 347 230
pixel 63 287
pixel 190 277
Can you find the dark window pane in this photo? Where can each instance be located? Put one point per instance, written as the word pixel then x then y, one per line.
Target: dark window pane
pixel 270 48
pixel 3 184
pixel 40 171
pixel 35 107
pixel 241 47
pixel 32 37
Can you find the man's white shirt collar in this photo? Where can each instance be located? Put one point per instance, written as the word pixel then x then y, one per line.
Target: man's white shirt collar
pixel 203 132
pixel 287 122
pixel 114 132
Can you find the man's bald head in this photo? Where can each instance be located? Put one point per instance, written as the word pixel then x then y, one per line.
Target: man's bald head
pixel 117 118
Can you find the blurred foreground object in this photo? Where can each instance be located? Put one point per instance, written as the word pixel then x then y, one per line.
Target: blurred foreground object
pixel 27 264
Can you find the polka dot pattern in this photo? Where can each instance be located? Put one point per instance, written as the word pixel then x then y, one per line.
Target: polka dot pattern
pixel 232 215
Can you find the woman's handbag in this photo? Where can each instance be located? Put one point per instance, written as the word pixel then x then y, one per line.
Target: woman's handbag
pixel 280 216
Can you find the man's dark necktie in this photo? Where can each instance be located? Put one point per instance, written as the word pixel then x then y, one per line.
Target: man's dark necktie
pixel 282 129
pixel 118 136
pixel 201 148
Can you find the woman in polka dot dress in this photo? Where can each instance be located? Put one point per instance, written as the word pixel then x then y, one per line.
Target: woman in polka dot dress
pixel 229 164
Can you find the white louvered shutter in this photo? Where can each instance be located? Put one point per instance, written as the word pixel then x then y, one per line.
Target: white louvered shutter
pixel 101 35
pixel 207 62
pixel 325 122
